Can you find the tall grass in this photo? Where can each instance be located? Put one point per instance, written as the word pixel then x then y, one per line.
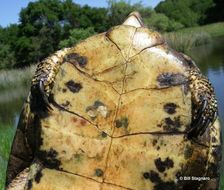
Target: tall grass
pixel 15 83
pixel 214 30
pixel 184 42
pixel 10 79
pixel 186 39
pixel 6 136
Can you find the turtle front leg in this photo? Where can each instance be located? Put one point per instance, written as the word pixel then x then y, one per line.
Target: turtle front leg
pixel 43 80
pixel 204 103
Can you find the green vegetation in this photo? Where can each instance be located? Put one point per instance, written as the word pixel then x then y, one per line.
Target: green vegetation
pixel 186 39
pixel 76 35
pixel 214 30
pixel 48 25
pixel 6 135
pixel 10 79
pixel 187 12
pixel 184 42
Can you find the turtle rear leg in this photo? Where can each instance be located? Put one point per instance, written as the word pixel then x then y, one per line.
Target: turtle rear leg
pixel 204 103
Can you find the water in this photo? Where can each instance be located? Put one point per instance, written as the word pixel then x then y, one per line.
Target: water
pixel 210 59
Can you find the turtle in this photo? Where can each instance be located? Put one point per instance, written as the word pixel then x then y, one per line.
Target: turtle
pixel 119 110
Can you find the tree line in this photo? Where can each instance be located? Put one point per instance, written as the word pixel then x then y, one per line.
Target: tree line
pixel 48 25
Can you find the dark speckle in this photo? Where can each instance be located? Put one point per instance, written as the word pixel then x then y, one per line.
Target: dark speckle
pixel 154 142
pixel 30 184
pixel 186 88
pixel 49 158
pixel 214 139
pixel 73 87
pixel 99 172
pixel 83 122
pixel 171 79
pixel 146 175
pixel 96 104
pixel 172 125
pixel 123 122
pixel 64 90
pixel 163 165
pixel 188 151
pixel 103 134
pixel 38 176
pixel 153 176
pixel 75 58
pixel 170 108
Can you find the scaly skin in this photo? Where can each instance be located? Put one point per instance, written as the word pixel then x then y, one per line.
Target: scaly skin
pixel 204 103
pixel 43 80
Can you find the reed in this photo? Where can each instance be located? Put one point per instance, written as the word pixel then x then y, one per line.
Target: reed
pixel 10 79
pixel 184 42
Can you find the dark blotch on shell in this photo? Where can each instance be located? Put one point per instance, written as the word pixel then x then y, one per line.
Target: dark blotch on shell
pixel 170 108
pixel 73 87
pixel 154 142
pixel 123 122
pixel 171 79
pixel 49 158
pixel 75 58
pixel 99 172
pixel 96 104
pixel 153 176
pixel 103 134
pixel 29 184
pixel 188 151
pixel 38 176
pixel 163 165
pixel 172 125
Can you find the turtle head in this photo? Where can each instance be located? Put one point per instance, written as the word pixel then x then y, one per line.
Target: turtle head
pixel 134 19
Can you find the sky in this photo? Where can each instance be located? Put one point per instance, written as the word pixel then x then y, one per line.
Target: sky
pixel 9 9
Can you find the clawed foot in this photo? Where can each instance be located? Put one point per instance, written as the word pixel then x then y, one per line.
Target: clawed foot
pixel 204 117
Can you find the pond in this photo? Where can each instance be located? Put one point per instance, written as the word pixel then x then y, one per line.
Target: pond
pixel 210 59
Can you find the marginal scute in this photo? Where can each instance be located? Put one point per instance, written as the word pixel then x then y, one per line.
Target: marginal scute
pixel 145 38
pixel 134 19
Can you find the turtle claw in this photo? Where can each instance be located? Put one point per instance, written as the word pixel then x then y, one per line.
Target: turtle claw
pixel 204 127
pixel 204 118
pixel 44 95
pixel 202 109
